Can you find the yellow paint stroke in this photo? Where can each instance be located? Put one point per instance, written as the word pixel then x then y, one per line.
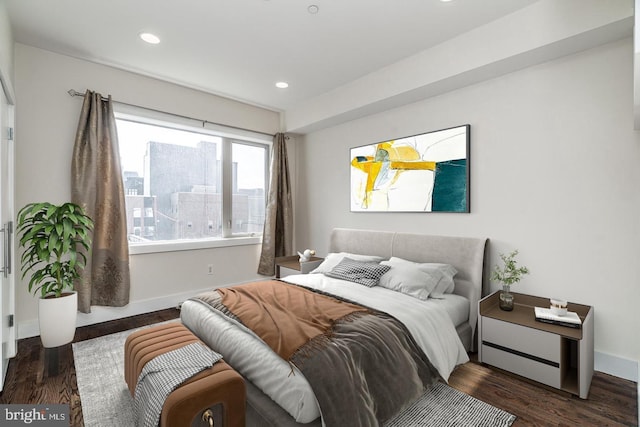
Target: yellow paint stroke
pixel 400 158
pixel 402 152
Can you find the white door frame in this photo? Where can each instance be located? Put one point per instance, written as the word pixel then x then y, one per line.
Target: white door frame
pixel 7 204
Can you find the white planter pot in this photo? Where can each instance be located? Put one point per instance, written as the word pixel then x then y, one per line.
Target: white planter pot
pixel 57 318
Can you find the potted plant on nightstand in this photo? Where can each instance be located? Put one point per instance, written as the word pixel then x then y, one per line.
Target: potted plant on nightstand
pixel 508 275
pixel 53 237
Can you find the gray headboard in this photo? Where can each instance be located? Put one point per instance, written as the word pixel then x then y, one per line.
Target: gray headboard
pixel 466 254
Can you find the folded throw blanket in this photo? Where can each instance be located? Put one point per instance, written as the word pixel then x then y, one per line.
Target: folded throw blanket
pixel 285 316
pixel 163 374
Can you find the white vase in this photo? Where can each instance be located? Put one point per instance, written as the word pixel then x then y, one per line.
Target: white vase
pixel 57 319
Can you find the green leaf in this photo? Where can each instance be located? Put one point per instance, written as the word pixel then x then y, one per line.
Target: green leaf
pixel 66 246
pixel 51 209
pixel 53 243
pixel 73 218
pixel 68 228
pixel 73 256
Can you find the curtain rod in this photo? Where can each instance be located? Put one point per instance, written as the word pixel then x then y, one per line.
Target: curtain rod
pixel 73 92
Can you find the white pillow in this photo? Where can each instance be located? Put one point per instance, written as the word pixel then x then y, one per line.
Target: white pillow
pixel 408 280
pixel 439 276
pixel 333 259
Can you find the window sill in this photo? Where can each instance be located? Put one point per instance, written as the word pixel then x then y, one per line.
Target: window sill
pixel 188 245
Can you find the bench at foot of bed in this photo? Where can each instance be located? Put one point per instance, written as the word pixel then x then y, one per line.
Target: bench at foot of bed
pixel 217 392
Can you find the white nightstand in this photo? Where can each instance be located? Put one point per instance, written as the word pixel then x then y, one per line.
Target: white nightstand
pixel 558 356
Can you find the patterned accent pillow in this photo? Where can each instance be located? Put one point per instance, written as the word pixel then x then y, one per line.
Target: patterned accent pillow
pixel 332 259
pixel 366 273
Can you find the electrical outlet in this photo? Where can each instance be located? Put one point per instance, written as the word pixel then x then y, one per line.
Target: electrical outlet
pixel 210 269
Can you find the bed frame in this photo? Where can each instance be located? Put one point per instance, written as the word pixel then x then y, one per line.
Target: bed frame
pixel 466 254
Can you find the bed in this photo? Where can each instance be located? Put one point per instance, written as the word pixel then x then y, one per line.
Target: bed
pixel 443 327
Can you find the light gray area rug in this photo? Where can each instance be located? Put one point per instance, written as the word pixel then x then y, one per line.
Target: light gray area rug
pixel 446 406
pixel 104 395
pixel 106 401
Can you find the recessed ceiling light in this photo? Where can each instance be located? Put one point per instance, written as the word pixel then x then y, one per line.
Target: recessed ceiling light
pixel 313 9
pixel 282 85
pixel 150 38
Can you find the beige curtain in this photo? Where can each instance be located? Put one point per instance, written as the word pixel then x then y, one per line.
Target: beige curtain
pixel 278 224
pixel 96 185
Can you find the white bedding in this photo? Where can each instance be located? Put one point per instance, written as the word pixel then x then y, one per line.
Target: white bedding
pixel 254 360
pixel 456 306
pixel 430 323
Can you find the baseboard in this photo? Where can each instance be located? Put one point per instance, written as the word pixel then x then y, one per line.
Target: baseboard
pixel 30 328
pixel 616 366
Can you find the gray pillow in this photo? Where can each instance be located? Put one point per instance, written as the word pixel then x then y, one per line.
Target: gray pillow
pixel 440 276
pixel 409 280
pixel 365 273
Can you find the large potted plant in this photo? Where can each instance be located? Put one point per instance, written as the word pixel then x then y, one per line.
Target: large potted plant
pixel 55 238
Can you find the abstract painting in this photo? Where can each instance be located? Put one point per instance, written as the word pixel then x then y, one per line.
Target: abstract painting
pixel 428 172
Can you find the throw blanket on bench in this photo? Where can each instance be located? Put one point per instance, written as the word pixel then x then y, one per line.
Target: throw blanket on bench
pixel 363 365
pixel 163 374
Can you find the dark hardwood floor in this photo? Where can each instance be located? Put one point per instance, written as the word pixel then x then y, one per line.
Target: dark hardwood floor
pixel 28 380
pixel 612 401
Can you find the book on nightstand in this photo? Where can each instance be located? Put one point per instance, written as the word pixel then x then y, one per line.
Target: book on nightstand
pixel 571 319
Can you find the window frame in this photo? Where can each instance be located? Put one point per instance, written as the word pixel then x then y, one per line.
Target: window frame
pixel 229 136
pixel 227 182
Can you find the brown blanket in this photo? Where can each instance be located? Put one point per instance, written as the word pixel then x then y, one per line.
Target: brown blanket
pixel 363 365
pixel 284 316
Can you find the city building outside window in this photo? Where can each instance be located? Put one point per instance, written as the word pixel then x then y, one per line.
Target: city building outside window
pixel 184 184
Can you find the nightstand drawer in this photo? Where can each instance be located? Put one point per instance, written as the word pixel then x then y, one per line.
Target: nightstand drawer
pixel 528 341
pixel 538 371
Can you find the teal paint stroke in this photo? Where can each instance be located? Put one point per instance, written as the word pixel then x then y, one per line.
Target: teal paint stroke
pixel 450 187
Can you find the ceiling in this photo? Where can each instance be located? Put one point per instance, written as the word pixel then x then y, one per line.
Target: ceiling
pixel 241 48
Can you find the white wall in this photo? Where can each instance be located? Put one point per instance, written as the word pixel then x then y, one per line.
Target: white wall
pixel 6 48
pixel 554 173
pixel 46 122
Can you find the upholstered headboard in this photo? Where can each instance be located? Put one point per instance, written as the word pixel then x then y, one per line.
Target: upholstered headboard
pixel 466 254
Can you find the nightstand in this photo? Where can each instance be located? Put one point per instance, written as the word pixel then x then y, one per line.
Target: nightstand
pixel 292 263
pixel 558 356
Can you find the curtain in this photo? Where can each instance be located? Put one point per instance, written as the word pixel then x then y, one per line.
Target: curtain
pixel 96 185
pixel 278 224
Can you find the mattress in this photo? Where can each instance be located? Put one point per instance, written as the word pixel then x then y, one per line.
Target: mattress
pixel 431 323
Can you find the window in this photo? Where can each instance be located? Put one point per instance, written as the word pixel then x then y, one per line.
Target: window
pixel 186 185
pixel 249 199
